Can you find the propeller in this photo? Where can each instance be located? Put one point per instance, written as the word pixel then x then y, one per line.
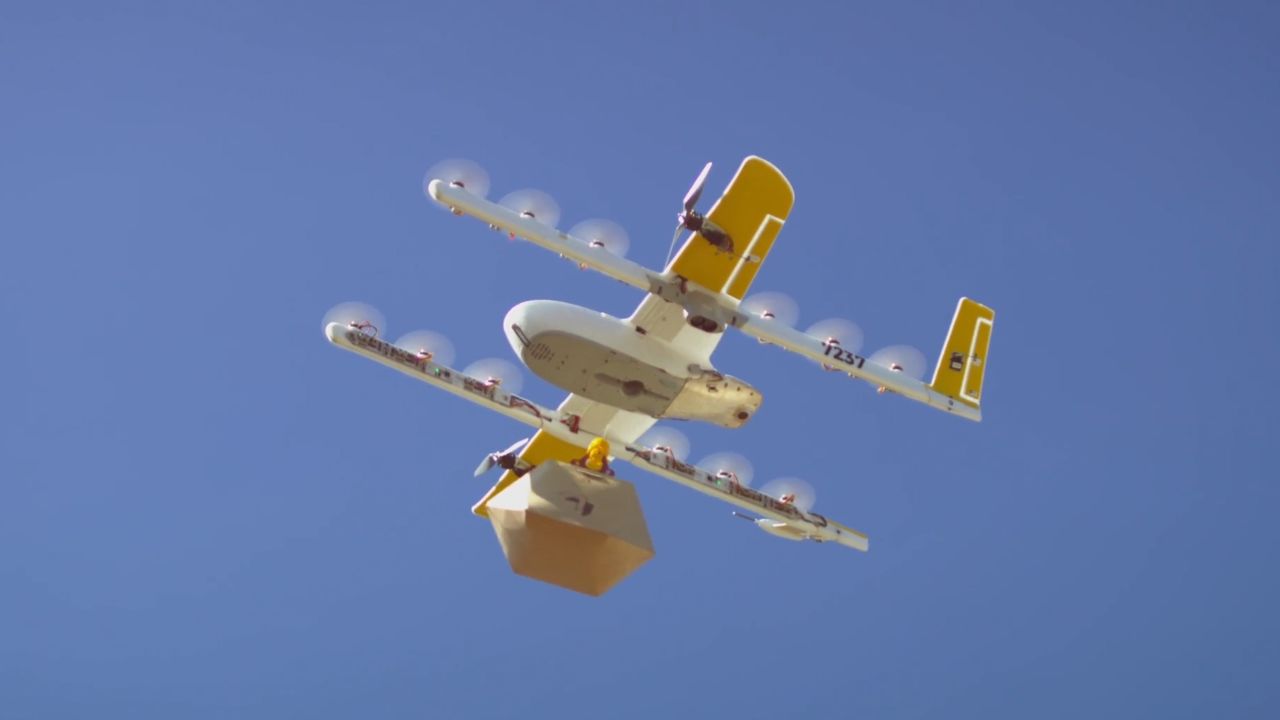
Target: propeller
pixel 492 458
pixel 839 331
pixel 497 371
pixel 431 345
pixel 690 219
pixel 604 234
pixel 775 306
pixel 362 316
pixel 729 465
pixel 533 204
pixel 459 172
pixel 901 358
pixel 660 437
pixel 793 490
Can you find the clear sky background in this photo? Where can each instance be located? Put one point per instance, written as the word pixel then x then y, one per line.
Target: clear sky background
pixel 206 511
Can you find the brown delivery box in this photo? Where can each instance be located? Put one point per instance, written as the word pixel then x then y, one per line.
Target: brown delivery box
pixel 571 527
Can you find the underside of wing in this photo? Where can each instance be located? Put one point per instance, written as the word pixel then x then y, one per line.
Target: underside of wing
pixel 751 213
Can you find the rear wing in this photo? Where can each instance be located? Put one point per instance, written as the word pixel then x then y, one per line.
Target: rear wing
pixel 957 384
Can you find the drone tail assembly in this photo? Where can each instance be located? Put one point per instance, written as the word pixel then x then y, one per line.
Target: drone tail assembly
pixel 963 361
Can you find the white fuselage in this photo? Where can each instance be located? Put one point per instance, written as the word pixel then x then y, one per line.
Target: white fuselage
pixel 615 362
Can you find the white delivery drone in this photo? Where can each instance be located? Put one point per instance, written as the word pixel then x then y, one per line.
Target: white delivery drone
pixel 625 374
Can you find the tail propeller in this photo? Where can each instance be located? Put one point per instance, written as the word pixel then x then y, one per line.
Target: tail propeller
pixel 690 219
pixel 493 458
pixel 691 198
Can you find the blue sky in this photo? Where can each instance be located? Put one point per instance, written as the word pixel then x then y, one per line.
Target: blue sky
pixel 207 511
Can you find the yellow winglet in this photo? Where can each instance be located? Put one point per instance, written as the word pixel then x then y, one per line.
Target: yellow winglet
pixel 963 362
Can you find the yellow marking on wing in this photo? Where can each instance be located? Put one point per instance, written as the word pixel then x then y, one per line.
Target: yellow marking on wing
pixel 963 363
pixel 543 447
pixel 752 211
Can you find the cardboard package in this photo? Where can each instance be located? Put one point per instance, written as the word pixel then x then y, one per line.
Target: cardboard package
pixel 571 527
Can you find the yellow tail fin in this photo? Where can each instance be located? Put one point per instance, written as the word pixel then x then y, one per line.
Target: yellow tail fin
pixel 964 356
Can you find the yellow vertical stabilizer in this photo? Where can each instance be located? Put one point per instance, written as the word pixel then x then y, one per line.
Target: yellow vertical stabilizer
pixel 964 356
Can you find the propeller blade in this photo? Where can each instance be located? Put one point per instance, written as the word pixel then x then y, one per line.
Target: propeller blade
pixel 901 358
pixel 356 314
pixel 485 465
pixel 604 234
pixel 492 458
pixel 801 493
pixel 459 172
pixel 426 341
pixel 695 190
pixel 533 203
pixel 844 333
pixel 775 306
pixel 729 464
pixel 663 436
pixel 505 374
pixel 679 231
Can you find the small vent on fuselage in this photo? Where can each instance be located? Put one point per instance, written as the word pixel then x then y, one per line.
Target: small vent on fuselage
pixel 539 351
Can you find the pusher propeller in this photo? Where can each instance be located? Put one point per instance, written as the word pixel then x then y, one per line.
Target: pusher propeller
pixel 695 193
pixel 492 458
pixel 690 219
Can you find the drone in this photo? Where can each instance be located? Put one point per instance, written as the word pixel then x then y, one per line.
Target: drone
pixel 623 375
